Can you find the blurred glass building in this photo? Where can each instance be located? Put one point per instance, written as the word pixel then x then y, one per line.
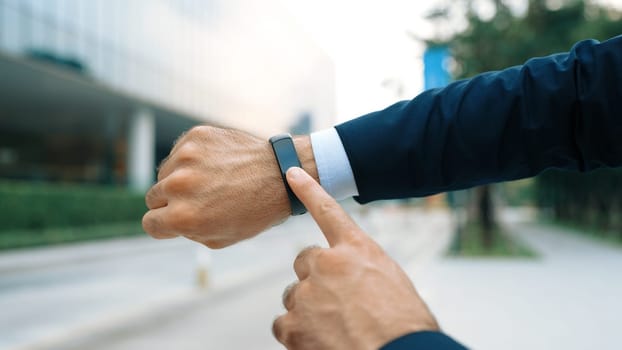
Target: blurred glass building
pixel 97 91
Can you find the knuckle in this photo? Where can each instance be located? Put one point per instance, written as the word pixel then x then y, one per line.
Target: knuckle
pixel 327 207
pixel 299 263
pixel 305 259
pixel 148 224
pixel 288 295
pixel 324 261
pixel 187 153
pixel 302 289
pixel 154 195
pixel 180 138
pixel 306 251
pixel 149 198
pixel 322 254
pixel 199 131
pixel 358 240
pixel 279 330
pixel 182 218
pixel 194 130
pixel 152 226
pixel 295 339
pixel 163 171
pixel 332 262
pixel 181 181
pixel 286 332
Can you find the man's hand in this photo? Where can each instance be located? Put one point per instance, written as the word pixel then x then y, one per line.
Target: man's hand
pixel 220 186
pixel 351 295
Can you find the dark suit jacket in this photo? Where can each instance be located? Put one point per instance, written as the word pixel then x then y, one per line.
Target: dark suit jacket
pixel 562 111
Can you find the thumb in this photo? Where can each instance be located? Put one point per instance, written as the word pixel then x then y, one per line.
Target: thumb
pixel 334 222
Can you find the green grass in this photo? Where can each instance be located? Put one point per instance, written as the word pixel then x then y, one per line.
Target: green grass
pixel 12 239
pixel 468 244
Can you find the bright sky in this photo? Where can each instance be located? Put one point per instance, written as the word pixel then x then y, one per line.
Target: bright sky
pixel 369 44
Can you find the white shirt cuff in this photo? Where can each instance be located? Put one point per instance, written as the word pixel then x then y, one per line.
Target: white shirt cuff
pixel 332 163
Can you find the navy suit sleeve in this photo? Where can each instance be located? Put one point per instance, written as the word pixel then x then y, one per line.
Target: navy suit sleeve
pixel 423 341
pixel 562 111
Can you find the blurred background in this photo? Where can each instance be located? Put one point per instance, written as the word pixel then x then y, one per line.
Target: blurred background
pixel 93 94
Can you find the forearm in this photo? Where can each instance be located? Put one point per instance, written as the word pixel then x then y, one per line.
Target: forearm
pixel 561 111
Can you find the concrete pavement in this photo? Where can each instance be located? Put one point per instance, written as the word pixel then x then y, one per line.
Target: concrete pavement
pixel 242 318
pixel 567 298
pixel 236 313
pixel 570 297
pixel 51 296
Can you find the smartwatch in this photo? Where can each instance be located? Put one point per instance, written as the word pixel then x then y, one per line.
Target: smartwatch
pixel 286 156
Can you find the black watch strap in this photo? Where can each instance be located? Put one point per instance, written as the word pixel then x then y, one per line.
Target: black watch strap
pixel 286 156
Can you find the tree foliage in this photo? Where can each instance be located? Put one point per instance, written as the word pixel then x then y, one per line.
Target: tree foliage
pixel 507 39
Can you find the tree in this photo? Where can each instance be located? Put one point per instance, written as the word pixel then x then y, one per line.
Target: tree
pixel 509 39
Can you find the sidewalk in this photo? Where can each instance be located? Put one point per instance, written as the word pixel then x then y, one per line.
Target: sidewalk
pixel 568 298
pixel 240 317
pixel 74 253
pixel 56 295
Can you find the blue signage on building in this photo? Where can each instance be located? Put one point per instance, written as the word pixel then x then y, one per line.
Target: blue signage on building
pixel 435 70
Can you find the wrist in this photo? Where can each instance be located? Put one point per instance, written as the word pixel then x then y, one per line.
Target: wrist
pixel 274 182
pixel 305 155
pixel 272 185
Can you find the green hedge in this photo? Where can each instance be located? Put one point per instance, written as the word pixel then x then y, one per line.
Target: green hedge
pixel 12 239
pixel 28 206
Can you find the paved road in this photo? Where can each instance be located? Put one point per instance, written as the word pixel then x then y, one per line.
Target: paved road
pixel 241 318
pixel 237 313
pixel 64 288
pixel 569 298
pixel 49 295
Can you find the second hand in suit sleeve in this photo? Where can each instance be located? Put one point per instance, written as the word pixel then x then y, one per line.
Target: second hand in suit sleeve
pixel 561 111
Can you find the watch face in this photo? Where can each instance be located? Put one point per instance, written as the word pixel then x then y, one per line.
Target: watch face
pixel 279 137
pixel 286 156
pixel 286 153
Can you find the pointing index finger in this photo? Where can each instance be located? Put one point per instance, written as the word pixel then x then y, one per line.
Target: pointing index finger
pixel 334 222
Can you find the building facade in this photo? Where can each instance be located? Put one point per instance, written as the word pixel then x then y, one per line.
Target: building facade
pixel 96 91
